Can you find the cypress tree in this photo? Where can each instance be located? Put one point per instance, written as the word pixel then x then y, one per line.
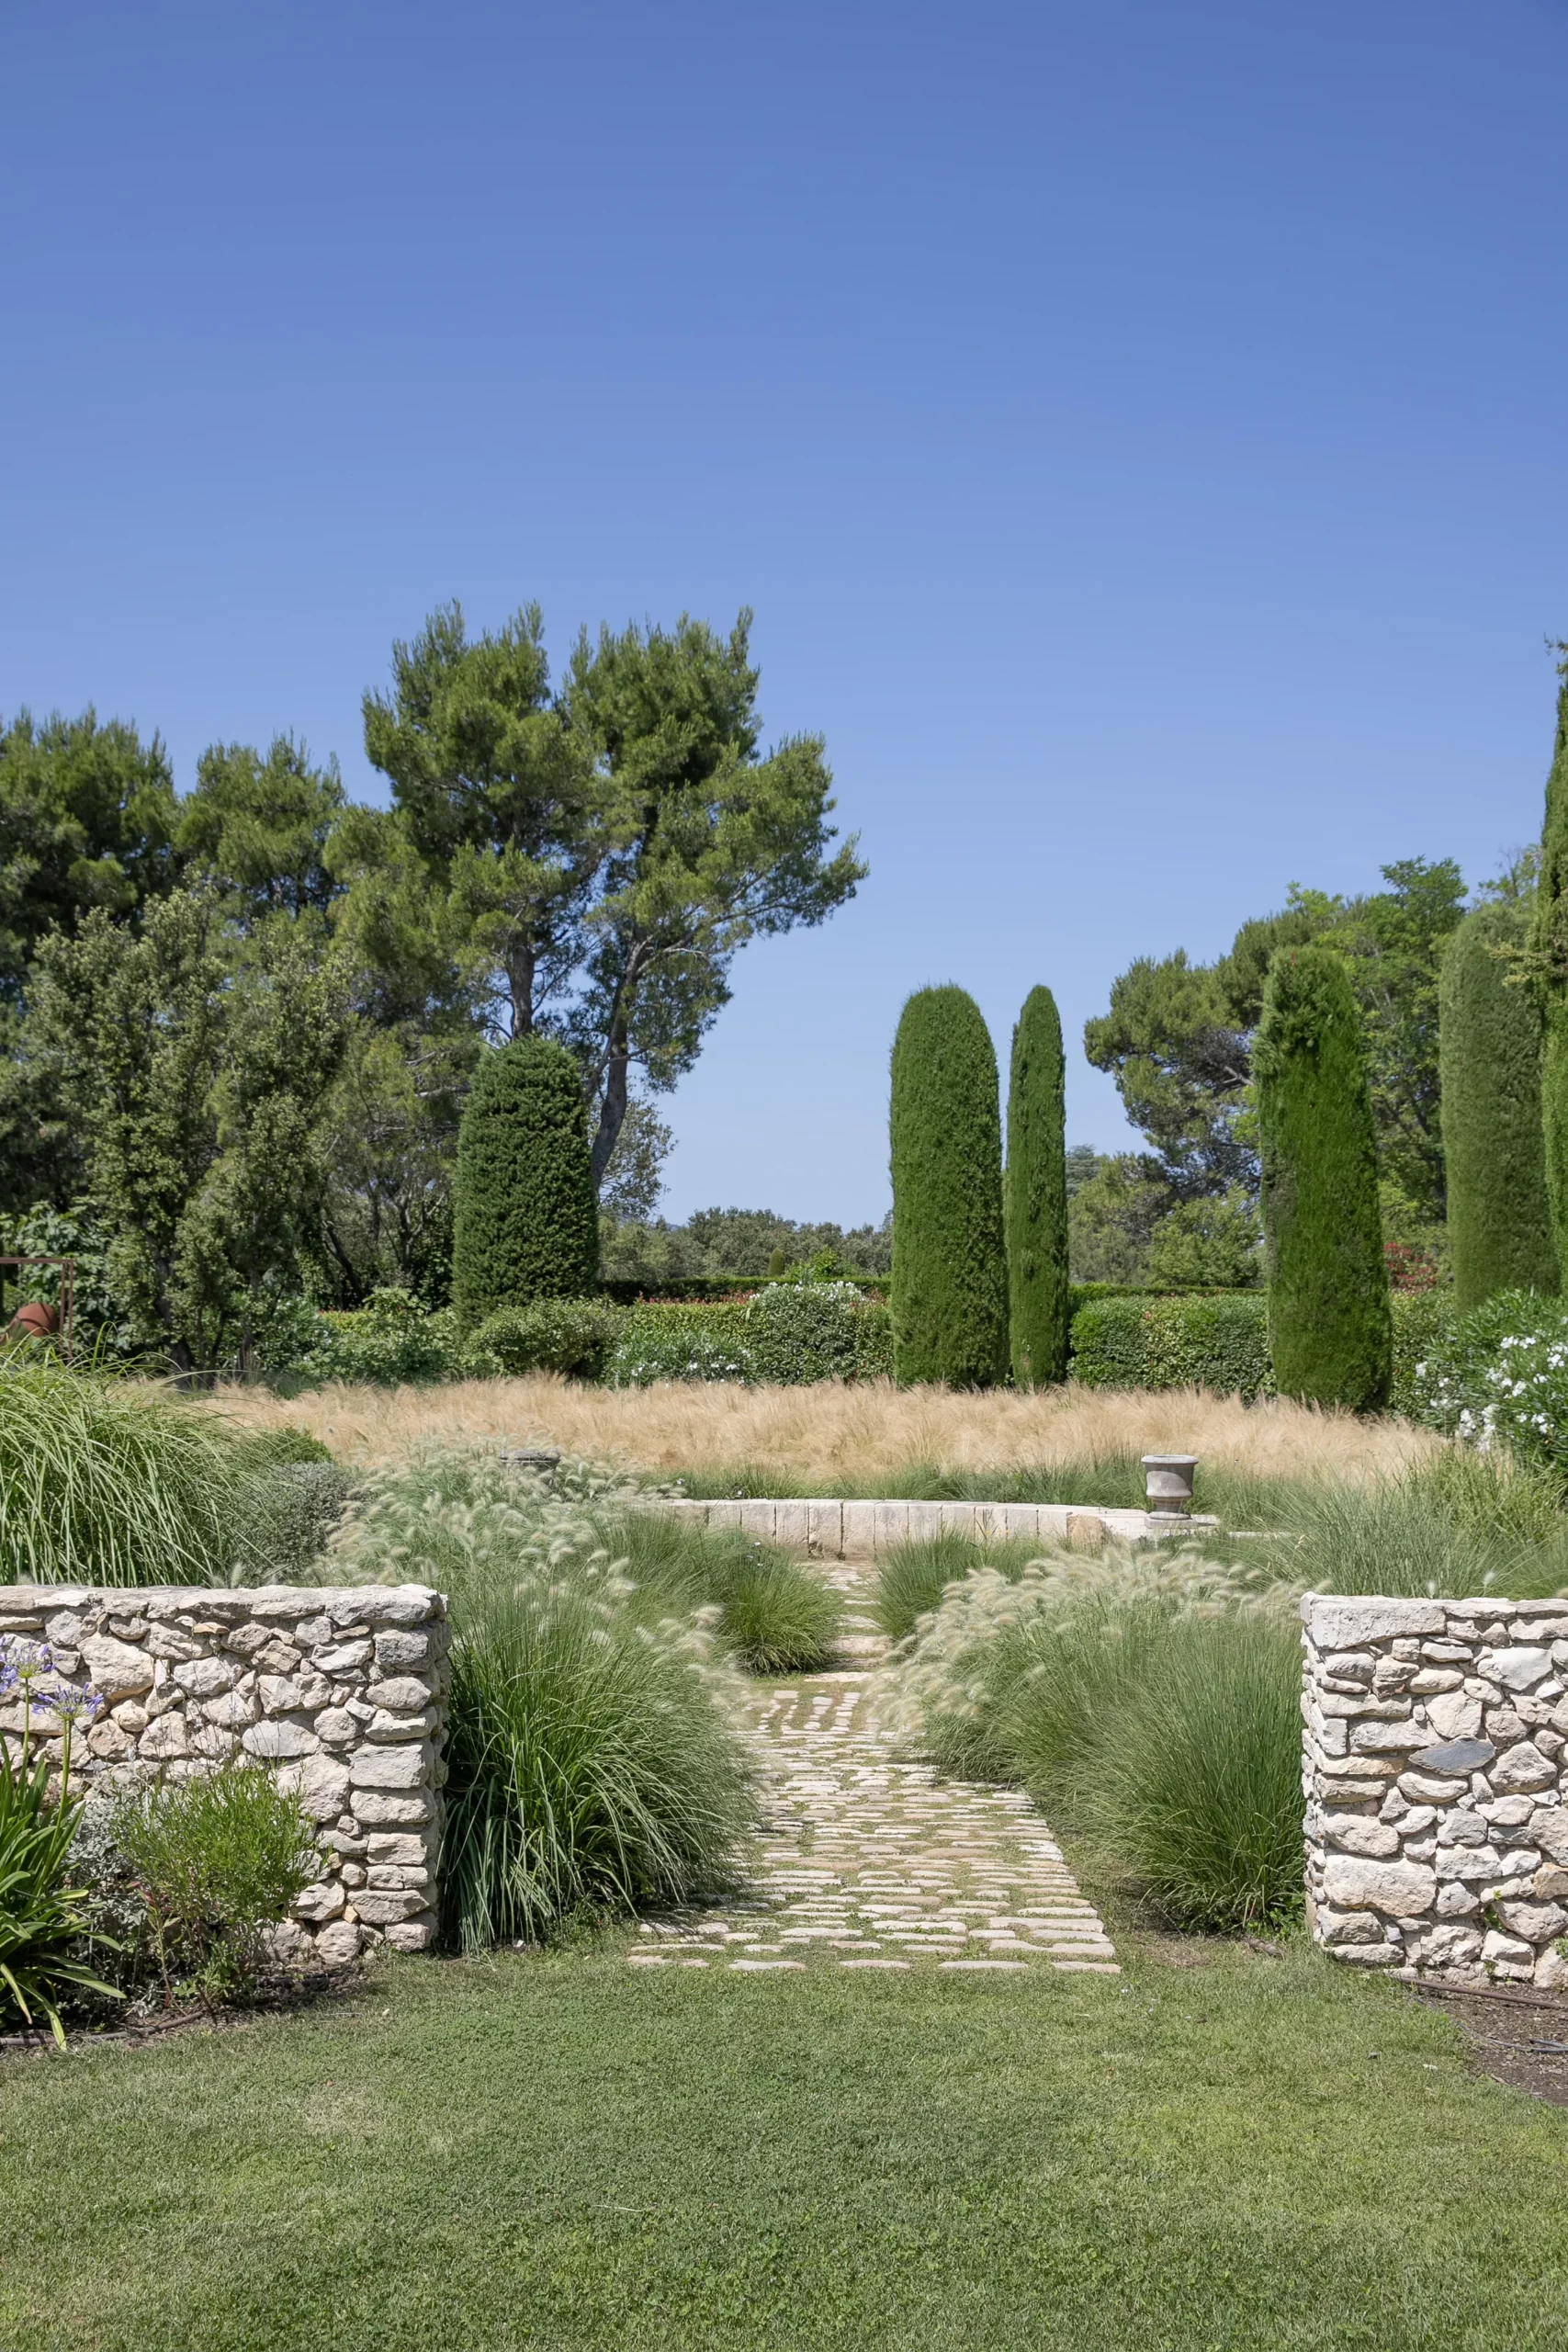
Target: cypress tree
pixel 1035 1195
pixel 528 1221
pixel 1551 963
pixel 1330 1334
pixel 949 1291
pixel 1493 1150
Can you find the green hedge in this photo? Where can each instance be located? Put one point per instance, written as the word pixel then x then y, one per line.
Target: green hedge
pixel 790 1334
pixel 1221 1342
pixel 627 1292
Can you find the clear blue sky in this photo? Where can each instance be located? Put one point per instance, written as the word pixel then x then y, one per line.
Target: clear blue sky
pixel 1139 430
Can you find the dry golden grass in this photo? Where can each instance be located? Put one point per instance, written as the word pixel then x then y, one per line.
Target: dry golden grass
pixel 829 1433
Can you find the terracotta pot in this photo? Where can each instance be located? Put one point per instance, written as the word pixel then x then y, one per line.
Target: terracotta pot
pixel 35 1321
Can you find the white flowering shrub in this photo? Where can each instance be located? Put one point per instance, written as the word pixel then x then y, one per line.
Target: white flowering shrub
pixel 1502 1379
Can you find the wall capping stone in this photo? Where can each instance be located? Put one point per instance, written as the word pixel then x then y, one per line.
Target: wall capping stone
pixel 1434 1771
pixel 832 1530
pixel 341 1689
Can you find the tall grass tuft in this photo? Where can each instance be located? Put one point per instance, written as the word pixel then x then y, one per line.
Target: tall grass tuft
pixel 105 1482
pixel 772 1612
pixel 590 1769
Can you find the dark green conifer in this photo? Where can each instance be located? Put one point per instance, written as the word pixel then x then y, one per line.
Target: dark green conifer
pixel 1330 1334
pixel 1551 959
pixel 1034 1197
pixel 1494 1153
pixel 528 1221
pixel 949 1293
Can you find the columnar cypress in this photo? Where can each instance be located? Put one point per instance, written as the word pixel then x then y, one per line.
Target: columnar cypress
pixel 1494 1151
pixel 1551 957
pixel 1035 1195
pixel 950 1293
pixel 528 1221
pixel 1330 1335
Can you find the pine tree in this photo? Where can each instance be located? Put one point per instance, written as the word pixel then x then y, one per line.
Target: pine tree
pixel 1493 1150
pixel 1329 1329
pixel 1035 1196
pixel 949 1294
pixel 527 1223
pixel 1551 963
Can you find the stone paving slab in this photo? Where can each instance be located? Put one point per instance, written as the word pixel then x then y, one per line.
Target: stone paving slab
pixel 869 1860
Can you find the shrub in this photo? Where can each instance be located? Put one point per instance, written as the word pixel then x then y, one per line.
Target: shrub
pixel 102 1483
pixel 573 1336
pixel 804 1331
pixel 215 1861
pixel 1550 945
pixel 949 1299
pixel 1423 1324
pixel 1329 1334
pixel 1494 1151
pixel 1217 1342
pixel 527 1220
pixel 1502 1378
pixel 1035 1196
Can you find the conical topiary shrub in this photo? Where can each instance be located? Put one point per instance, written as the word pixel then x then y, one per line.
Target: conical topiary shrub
pixel 527 1220
pixel 949 1294
pixel 1330 1334
pixel 1493 1150
pixel 1550 945
pixel 1035 1195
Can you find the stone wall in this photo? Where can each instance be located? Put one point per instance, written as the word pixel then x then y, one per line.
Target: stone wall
pixel 1435 1767
pixel 342 1689
pixel 864 1530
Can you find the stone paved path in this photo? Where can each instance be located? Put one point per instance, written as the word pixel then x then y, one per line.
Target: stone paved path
pixel 869 1860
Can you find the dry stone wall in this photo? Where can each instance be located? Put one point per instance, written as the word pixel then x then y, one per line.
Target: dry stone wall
pixel 1434 1769
pixel 342 1690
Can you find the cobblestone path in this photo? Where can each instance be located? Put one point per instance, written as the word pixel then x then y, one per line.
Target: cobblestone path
pixel 867 1861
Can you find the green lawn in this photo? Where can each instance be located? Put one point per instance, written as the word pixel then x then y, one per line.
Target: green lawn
pixel 564 2152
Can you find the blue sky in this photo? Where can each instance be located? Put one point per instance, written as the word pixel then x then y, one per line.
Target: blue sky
pixel 1138 429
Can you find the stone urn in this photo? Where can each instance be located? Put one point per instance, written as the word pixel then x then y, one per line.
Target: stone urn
pixel 1167 1485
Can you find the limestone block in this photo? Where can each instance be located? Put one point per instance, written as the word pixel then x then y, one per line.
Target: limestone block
pixel 1449 1947
pixel 110 1743
pixel 380 1907
pixel 1549 1830
pixel 403 1765
pixel 173 1642
pixel 825 1530
pixel 349 1658
pixel 379 1808
pixel 115 1668
pixel 1457 1901
pixel 1550 1881
pixel 277 1736
pixel 1354 1834
pixel 413 1935
pixel 338 1942
pixel 1507 1951
pixel 388 1724
pixel 1523 1767
pixel 336 1728
pixel 1452 1715
pixel 320 1902
pixel 1350 1665
pixel 1463 1827
pixel 1552 1972
pixel 1404 1890
pixel 164 1740
pixel 403 1648
pixel 1347 1625
pixel 204 1678
pixel 1516 1669
pixel 1380 1738
pixel 321 1783
pixel 1538 1923
pixel 1338 1929
pixel 233 1712
pixel 403 1692
pixel 1432 1788
pixel 398 1846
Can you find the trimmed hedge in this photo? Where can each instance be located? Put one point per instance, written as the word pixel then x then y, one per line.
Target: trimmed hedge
pixel 1549 941
pixel 791 1334
pixel 626 1291
pixel 1221 1342
pixel 1329 1335
pixel 527 1220
pixel 950 1282
pixel 1034 1197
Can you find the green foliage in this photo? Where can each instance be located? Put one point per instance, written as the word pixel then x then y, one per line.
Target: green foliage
pixel 1501 1376
pixel 102 1483
pixel 1423 1324
pixel 1550 960
pixel 1329 1317
pixel 1173 1042
pixel 387 1343
pixel 1220 1343
pixel 913 1578
pixel 527 1225
pixel 214 1861
pixel 257 829
pixel 567 1334
pixel 1215 1241
pixel 44 1918
pixel 675 1339
pixel 87 817
pixel 196 1089
pixel 1113 1213
pixel 1035 1196
pixel 949 1301
pixel 738 1246
pixel 815 1331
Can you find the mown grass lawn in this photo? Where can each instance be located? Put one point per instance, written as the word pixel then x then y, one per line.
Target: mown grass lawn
pixel 564 2151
